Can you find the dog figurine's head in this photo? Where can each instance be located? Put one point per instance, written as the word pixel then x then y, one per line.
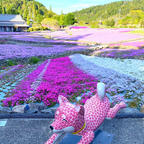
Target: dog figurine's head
pixel 68 117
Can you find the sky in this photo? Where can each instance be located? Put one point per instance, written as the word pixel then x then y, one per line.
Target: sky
pixel 72 5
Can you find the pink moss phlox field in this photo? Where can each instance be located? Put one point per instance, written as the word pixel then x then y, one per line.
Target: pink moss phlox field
pixel 78 27
pixel 63 78
pixel 127 53
pixel 103 36
pixel 134 43
pixel 23 51
pixel 20 94
pixel 120 53
pixel 131 43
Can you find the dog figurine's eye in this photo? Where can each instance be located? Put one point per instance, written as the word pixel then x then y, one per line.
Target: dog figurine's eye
pixel 64 120
pixel 64 117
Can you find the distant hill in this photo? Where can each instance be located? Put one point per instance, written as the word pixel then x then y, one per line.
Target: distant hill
pixel 115 10
pixel 28 9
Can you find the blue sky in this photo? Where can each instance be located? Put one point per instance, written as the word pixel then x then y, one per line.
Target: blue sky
pixel 71 5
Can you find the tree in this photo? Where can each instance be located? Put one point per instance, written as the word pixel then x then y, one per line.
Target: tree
pixel 3 10
pixel 50 23
pixel 0 9
pixel 25 13
pixel 62 20
pixel 29 9
pixel 142 23
pixel 110 22
pixel 28 20
pixel 11 10
pixel 69 19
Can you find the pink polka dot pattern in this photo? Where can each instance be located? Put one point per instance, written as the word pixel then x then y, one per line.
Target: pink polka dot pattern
pixel 52 138
pixel 92 113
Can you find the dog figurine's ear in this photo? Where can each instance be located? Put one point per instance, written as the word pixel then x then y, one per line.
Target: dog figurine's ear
pixel 79 109
pixel 62 99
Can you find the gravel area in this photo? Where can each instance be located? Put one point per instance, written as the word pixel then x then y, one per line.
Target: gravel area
pixel 119 83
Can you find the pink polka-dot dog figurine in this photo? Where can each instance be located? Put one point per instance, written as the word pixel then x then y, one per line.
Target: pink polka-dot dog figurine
pixel 82 120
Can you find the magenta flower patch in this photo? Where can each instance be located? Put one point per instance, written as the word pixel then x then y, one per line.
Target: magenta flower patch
pixel 20 94
pixel 63 78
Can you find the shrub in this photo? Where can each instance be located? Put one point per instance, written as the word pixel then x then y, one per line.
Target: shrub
pixel 11 63
pixel 37 27
pixel 94 25
pixel 34 60
pixel 110 23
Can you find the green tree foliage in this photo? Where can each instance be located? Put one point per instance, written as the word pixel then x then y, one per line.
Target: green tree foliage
pixel 142 23
pixel 62 20
pixel 94 24
pixel 28 9
pixel 69 19
pixel 65 20
pixel 135 17
pixel 109 22
pixel 126 12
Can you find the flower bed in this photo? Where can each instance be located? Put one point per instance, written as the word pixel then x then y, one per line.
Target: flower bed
pixel 60 78
pixel 78 27
pixel 121 53
pixel 10 71
pixel 135 44
pixel 22 51
pixel 63 78
pixel 8 83
pixel 23 91
pixel 124 82
pixel 104 36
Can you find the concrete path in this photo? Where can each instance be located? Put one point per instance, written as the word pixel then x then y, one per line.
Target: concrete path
pixel 36 131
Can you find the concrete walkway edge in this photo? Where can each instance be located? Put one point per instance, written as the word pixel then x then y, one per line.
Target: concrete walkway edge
pixel 40 115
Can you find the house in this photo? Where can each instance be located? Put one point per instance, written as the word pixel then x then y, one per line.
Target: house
pixel 12 23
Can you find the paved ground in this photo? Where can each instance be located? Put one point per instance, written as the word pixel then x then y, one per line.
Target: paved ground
pixel 36 131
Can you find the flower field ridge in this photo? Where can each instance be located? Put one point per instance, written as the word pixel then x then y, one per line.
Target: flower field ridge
pixel 10 71
pixel 63 78
pixel 25 51
pixel 57 77
pixel 23 91
pixel 119 81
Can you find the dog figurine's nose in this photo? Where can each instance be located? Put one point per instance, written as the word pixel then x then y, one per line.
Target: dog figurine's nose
pixel 51 128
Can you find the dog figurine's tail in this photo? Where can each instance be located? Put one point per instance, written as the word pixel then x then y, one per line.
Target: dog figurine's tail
pixel 101 90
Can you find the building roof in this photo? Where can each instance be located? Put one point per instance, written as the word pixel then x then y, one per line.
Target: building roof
pixel 12 20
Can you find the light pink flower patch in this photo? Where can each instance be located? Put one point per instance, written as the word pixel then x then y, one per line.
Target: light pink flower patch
pixel 134 43
pixel 104 36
